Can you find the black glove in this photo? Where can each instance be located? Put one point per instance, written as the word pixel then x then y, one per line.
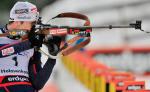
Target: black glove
pixel 53 45
pixel 35 39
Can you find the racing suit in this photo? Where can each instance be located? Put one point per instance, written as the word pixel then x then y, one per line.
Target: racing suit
pixel 20 67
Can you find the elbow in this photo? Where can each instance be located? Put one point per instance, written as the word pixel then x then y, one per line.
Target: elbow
pixel 38 86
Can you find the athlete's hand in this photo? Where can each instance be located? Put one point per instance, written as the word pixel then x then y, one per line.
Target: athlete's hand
pixel 53 45
pixel 35 39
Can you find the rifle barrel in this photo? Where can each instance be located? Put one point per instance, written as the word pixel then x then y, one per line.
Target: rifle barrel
pixel 83 27
pixel 101 27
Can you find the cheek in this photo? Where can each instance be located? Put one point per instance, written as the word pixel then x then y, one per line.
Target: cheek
pixel 27 26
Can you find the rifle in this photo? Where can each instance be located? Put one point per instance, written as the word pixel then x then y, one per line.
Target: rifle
pixel 81 32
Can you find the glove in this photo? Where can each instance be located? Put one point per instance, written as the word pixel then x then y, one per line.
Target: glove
pixel 53 45
pixel 35 39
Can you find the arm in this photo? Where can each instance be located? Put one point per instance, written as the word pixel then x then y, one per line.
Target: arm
pixel 39 75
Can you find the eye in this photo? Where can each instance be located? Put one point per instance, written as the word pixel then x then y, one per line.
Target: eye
pixel 21 22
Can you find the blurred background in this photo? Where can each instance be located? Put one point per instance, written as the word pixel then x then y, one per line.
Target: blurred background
pixel 100 12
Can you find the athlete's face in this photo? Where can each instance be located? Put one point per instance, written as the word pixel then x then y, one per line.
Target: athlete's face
pixel 20 25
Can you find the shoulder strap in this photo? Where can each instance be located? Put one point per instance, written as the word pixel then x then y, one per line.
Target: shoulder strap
pixel 71 45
